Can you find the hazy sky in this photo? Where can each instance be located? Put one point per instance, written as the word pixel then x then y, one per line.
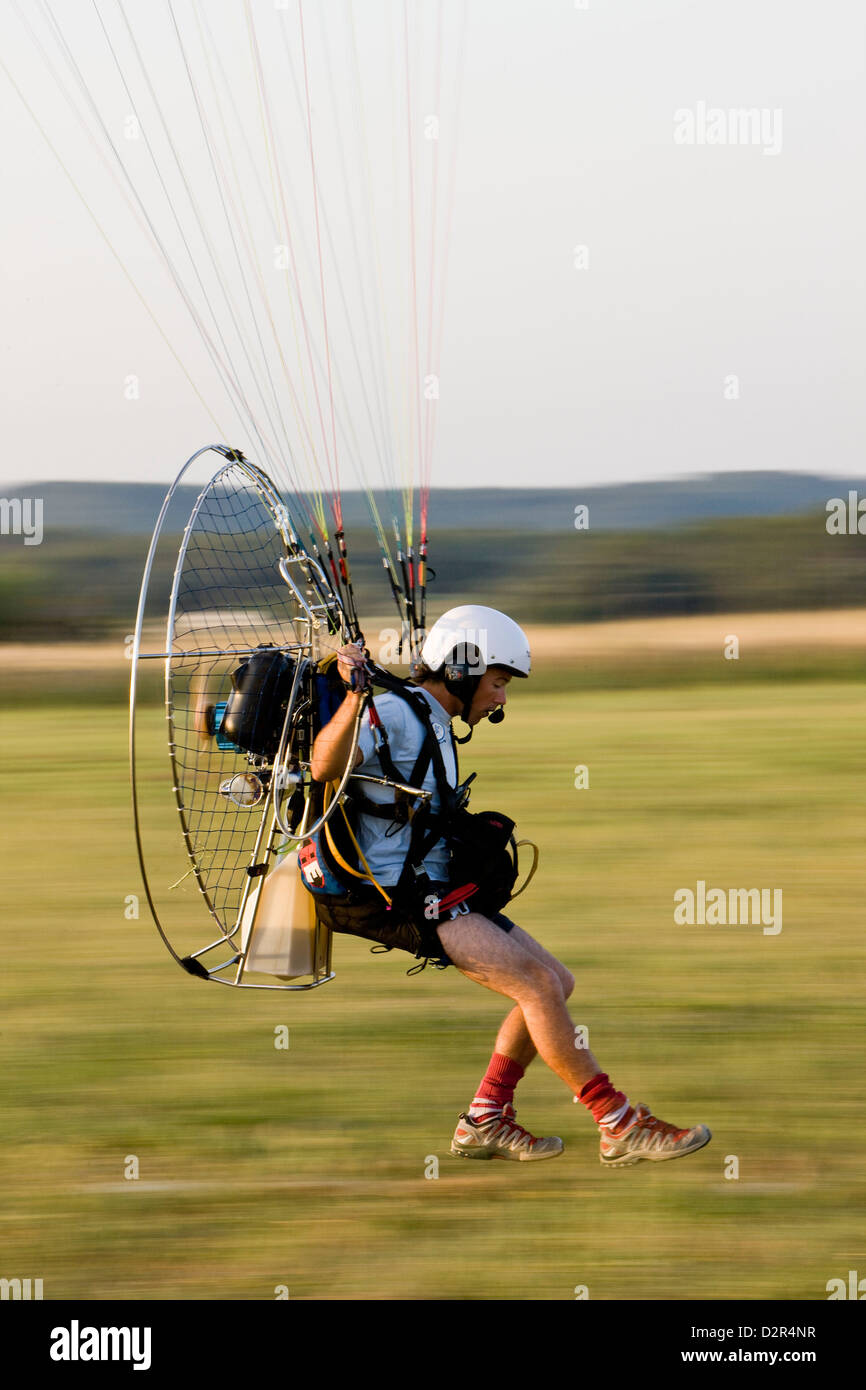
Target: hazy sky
pixel 639 283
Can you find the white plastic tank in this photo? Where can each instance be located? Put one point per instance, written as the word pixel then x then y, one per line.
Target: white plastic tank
pixel 278 927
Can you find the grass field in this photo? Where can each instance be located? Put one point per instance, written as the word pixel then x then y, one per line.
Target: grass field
pixel 305 1167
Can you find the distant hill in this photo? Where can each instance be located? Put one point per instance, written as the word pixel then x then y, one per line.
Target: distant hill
pixel 131 508
pixel 81 584
pixel 737 542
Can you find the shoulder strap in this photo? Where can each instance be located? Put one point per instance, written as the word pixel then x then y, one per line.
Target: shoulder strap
pixel 429 751
pixel 427 827
pixel 425 714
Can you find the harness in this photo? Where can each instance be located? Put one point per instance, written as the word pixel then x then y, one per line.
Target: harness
pixel 482 847
pixel 427 827
pixel 333 863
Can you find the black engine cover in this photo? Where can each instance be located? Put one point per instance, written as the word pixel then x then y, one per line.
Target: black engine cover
pixel 256 709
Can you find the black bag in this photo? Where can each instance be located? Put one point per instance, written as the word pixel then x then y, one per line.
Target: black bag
pixel 483 860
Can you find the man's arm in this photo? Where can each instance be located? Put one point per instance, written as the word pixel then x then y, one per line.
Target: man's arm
pixel 331 748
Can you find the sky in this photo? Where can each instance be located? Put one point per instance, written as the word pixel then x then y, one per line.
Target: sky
pixel 640 281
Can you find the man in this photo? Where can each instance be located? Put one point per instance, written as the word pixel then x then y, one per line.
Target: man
pixel 489 949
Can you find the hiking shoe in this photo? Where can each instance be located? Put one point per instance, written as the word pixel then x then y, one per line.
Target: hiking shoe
pixel 500 1136
pixel 652 1139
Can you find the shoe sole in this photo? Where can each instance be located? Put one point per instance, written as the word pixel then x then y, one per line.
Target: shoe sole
pixel 492 1153
pixel 629 1159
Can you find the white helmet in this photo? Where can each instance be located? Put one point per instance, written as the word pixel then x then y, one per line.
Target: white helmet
pixel 498 639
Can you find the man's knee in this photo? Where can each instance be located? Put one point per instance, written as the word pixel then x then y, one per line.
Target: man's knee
pixel 566 979
pixel 542 980
pixel 562 972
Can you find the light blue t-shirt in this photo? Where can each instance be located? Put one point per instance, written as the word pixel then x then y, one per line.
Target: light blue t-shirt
pixel 386 853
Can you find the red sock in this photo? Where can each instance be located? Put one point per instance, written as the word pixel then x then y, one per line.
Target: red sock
pixel 497 1088
pixel 608 1107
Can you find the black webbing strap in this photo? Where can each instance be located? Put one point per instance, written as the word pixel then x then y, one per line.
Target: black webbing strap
pixel 398 810
pixel 427 827
pixel 422 762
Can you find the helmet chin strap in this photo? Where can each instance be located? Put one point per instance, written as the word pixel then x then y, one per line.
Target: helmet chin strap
pixel 464 715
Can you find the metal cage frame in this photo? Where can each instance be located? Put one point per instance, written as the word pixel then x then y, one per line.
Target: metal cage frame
pixel 272 826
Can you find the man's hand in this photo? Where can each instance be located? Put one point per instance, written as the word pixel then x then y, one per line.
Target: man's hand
pixel 352 663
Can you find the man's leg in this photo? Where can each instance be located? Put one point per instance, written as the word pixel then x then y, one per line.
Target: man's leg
pixel 502 962
pixel 490 1121
pixel 513 1038
pixel 514 1048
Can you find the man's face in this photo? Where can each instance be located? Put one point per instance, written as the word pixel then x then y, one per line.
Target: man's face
pixel 489 695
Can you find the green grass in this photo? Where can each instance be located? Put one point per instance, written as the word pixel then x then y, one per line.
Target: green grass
pixel 306 1167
